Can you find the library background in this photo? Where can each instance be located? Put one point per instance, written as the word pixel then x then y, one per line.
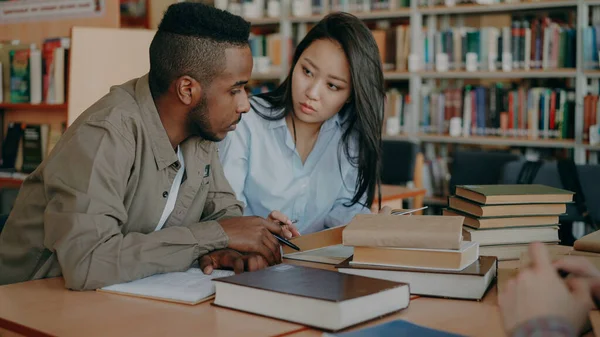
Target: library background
pixel 475 88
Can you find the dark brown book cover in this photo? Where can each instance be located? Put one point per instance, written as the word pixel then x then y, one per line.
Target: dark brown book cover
pixel 477 268
pixel 308 282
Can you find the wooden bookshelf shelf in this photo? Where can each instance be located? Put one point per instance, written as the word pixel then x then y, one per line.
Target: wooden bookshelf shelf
pixel 306 19
pixel 271 75
pixel 591 147
pixel 592 74
pixel 396 75
pixel 477 9
pixel 491 140
pixel 263 21
pixel 375 15
pixel 10 182
pixel 36 107
pixel 555 73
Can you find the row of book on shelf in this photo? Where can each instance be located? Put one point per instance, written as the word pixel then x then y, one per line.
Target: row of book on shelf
pixel 495 110
pixel 540 43
pixel 32 75
pixel 26 145
pixel 382 260
pixel 591 40
pixel 536 43
pixel 258 9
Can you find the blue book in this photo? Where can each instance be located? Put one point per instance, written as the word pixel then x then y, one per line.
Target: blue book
pixel 397 328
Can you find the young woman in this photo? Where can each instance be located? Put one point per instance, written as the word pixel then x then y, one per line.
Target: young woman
pixel 311 148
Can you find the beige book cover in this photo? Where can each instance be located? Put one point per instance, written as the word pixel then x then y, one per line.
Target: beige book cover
pixel 589 243
pixel 430 259
pixel 312 241
pixel 417 231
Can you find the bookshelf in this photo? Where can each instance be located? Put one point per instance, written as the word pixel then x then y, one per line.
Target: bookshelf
pixel 482 140
pixel 36 107
pixel 264 21
pixel 498 8
pixel 557 73
pixel 593 74
pixel 498 15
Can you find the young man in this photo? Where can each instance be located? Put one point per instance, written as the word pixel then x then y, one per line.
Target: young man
pixel 135 186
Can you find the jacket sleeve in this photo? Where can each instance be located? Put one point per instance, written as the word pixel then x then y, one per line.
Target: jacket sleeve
pixel 85 185
pixel 544 326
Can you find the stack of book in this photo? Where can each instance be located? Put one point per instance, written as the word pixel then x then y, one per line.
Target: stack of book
pixel 505 219
pixel 427 252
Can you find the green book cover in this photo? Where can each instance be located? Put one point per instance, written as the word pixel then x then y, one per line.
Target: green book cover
pixel 19 76
pixel 492 190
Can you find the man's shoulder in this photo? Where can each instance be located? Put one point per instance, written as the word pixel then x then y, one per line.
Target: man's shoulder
pixel 119 109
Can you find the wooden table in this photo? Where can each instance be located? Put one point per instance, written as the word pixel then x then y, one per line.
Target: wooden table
pixel 44 307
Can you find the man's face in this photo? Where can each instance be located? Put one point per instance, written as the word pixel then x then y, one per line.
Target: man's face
pixel 225 100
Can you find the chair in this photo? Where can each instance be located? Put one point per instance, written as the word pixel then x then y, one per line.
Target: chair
pixel 478 167
pixel 402 164
pixel 3 218
pixel 548 175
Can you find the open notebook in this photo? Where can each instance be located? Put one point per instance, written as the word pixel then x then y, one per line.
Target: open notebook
pixel 189 287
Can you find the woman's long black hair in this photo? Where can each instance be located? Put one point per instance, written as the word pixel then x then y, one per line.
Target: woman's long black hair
pixel 365 108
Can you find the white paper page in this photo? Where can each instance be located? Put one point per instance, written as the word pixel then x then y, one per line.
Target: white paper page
pixel 331 254
pixel 189 286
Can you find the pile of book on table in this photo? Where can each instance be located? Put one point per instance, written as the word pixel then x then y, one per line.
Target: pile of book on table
pixel 505 219
pixel 427 252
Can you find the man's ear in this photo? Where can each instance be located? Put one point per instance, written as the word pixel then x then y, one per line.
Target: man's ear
pixel 188 90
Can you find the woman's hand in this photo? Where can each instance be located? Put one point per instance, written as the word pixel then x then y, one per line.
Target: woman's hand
pixel 287 226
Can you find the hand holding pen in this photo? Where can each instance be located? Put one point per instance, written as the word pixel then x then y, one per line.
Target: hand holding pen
pixel 288 229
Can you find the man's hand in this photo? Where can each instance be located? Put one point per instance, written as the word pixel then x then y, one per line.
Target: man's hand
pixel 231 259
pixel 252 234
pixel 577 266
pixel 385 210
pixel 580 267
pixel 287 226
pixel 538 291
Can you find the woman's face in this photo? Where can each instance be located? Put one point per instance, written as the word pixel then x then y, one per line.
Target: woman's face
pixel 321 83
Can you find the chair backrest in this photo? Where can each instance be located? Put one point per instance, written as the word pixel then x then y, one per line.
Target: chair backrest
pixel 3 218
pixel 548 175
pixel 478 167
pixel 399 159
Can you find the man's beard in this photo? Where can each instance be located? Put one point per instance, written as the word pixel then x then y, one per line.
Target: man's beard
pixel 199 121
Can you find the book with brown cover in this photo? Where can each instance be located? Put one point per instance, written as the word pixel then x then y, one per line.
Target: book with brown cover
pixel 504 222
pixel 469 283
pixel 514 194
pixel 428 231
pixel 315 297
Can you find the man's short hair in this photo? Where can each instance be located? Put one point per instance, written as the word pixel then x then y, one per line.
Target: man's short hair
pixel 191 40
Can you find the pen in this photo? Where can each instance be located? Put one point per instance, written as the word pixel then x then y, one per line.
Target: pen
pixel 409 211
pixel 286 242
